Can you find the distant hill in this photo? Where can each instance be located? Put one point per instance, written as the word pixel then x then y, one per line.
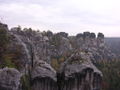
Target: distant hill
pixel 114 44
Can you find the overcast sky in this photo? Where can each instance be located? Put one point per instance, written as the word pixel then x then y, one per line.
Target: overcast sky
pixel 71 16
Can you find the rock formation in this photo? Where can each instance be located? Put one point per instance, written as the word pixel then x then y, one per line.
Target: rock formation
pixel 43 77
pixel 88 41
pixel 60 44
pixel 74 54
pixel 9 79
pixel 78 73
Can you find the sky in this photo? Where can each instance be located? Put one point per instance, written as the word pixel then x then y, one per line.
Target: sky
pixel 71 16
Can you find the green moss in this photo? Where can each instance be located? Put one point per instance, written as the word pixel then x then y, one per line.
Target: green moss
pixel 55 41
pixel 9 63
pixel 77 61
pixel 55 64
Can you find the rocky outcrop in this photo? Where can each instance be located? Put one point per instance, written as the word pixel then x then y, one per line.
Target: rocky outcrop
pixel 39 48
pixel 96 45
pixel 47 45
pixel 4 26
pixel 43 77
pixel 9 79
pixel 78 73
pixel 34 42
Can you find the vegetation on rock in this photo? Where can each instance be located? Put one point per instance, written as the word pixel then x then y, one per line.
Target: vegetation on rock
pixel 8 57
pixel 111 74
pixel 23 48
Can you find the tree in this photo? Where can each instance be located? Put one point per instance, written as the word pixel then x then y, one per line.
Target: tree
pixel 4 40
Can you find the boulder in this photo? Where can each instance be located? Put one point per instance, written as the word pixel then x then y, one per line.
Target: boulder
pixel 42 69
pixel 9 79
pixel 43 77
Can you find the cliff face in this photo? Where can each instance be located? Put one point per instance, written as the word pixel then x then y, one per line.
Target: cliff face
pixel 9 79
pixel 96 45
pixel 43 77
pixel 78 73
pixel 35 53
pixel 46 45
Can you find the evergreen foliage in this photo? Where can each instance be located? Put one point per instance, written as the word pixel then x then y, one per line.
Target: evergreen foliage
pixel 111 74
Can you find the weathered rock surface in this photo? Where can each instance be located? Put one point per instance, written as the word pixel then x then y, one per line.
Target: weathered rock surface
pixel 9 79
pixel 88 41
pixel 78 73
pixel 43 77
pixel 34 43
pixel 48 45
pixel 4 26
pixel 42 69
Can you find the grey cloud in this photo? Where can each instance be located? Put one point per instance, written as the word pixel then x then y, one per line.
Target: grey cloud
pixel 40 2
pixel 90 17
pixel 55 14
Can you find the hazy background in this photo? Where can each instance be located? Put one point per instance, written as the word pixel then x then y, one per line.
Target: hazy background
pixel 72 16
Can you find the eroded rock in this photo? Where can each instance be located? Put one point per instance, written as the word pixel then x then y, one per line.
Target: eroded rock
pixel 78 73
pixel 43 77
pixel 9 79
